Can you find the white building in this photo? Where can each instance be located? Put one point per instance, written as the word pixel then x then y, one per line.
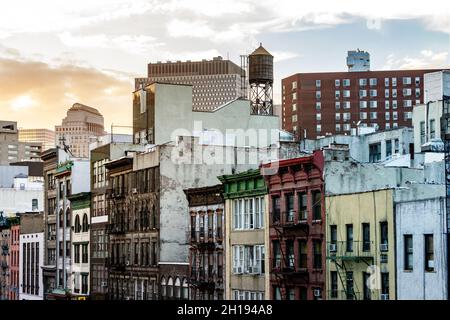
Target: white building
pixel 81 217
pixel 31 257
pixel 22 196
pixel 358 60
pixel 436 84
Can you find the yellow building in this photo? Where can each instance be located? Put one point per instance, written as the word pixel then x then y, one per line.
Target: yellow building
pixel 360 246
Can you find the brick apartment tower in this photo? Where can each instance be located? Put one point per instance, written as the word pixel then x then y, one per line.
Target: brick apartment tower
pixel 320 104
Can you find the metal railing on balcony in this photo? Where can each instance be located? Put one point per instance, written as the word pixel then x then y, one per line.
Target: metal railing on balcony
pixel 349 250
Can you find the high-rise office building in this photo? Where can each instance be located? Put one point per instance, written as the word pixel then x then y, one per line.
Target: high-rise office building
pixel 214 82
pixel 11 149
pixel 45 137
pixel 81 124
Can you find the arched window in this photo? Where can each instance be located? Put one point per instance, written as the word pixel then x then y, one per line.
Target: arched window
pixel 177 288
pixel 170 287
pixel 85 223
pixel 163 288
pixel 185 290
pixel 77 224
pixel 68 214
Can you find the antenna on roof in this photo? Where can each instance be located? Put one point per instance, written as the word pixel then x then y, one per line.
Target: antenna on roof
pixel 66 148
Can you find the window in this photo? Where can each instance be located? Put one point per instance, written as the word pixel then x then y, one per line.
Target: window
pixel 318 116
pixel 384 235
pixel 350 292
pixel 417 92
pixel 318 128
pixel 422 132
pixel 294 96
pixel 338 128
pixel 84 258
pixel 76 253
pixel 386 93
pixel 346 116
pixel 373 115
pixel 349 237
pixel 318 94
pixel 289 207
pixel 294 118
pixel 346 82
pixel 317 205
pixel 375 152
pixel 318 105
pixel 302 254
pixel 394 93
pixel 85 223
pixel 373 93
pixel 417 81
pixel 318 83
pixel 385 283
pixel 333 234
pixel 373 81
pixel 276 208
pixel 338 117
pixel 366 236
pixel 294 107
pixel 406 92
pixel 387 116
pixel 386 104
pixel 248 259
pixel 429 253
pixel 346 94
pixel 294 85
pixel 248 213
pixel 396 146
pixel 373 104
pixel 302 206
pixel 337 94
pixel 84 284
pixel 432 129
pixel 408 252
pixel 388 148
pixel 290 257
pixel 363 104
pixel 276 254
pixel 362 82
pixel 334 284
pixel 406 80
pixel 346 127
pixel 407 103
pixel 337 83
pixel 317 246
pixel 362 93
pixel 407 115
pixel 394 82
pixel 347 105
pixel 394 116
pixel 394 104
pixel 337 105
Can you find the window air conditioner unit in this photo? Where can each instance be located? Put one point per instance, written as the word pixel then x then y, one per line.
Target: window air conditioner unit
pixel 317 292
pixel 134 190
pixel 384 247
pixel 332 247
pixel 127 263
pixel 104 284
pixel 237 270
pixel 384 296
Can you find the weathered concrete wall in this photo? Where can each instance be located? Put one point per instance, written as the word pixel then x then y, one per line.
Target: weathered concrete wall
pixel 417 218
pixel 351 177
pixel 13 201
pixel 419 115
pixel 81 176
pixel 177 176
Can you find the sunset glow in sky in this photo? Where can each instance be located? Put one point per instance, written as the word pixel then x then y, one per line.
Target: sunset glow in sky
pixel 54 53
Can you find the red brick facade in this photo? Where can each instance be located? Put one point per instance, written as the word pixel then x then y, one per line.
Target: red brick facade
pixel 299 98
pixel 297 228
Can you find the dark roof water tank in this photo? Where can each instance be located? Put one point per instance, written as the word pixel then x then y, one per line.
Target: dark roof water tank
pixel 260 66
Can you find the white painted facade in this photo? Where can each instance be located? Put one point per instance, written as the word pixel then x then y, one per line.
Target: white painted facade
pixel 34 241
pixel 427 123
pixel 436 84
pixel 80 238
pixel 417 218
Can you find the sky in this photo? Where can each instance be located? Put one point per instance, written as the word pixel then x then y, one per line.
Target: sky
pixel 54 53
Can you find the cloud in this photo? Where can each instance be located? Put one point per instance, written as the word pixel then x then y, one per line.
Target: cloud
pixel 279 56
pixel 40 94
pixel 427 59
